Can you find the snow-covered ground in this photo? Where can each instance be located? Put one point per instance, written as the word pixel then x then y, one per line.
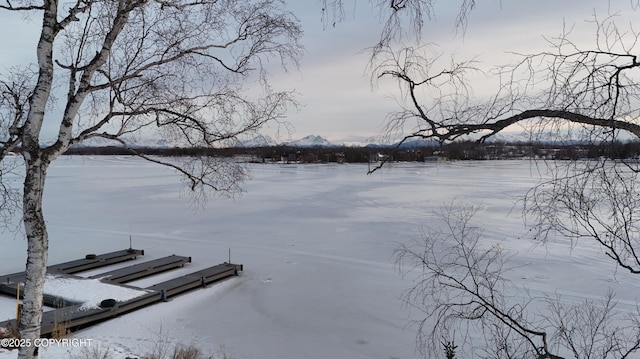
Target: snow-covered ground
pixel 317 244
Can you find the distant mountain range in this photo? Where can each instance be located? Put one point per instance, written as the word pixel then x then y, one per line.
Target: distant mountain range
pixel 309 141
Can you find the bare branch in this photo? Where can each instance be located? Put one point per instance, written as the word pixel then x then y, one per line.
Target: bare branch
pixel 168 69
pixel 460 286
pixel 461 281
pixel 595 329
pixel 9 6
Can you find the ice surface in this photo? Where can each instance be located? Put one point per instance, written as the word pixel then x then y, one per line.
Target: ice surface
pixel 7 308
pixel 317 244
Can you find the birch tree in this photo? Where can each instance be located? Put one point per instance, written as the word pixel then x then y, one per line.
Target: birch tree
pixel 462 289
pixel 114 69
pixel 565 93
pixel 568 92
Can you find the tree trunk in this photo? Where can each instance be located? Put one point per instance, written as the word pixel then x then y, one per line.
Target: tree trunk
pixel 37 250
pixel 36 163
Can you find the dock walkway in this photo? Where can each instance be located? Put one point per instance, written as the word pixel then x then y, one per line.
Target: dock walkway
pixel 73 317
pixel 141 270
pixel 91 261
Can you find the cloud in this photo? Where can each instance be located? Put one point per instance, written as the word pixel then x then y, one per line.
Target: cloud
pixel 335 89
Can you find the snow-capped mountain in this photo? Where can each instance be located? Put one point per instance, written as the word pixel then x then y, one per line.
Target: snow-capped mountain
pixel 418 142
pixel 258 141
pixel 310 141
pixel 360 141
pixel 97 142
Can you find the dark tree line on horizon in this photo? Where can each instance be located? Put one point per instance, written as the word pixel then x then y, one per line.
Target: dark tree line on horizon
pixel 462 150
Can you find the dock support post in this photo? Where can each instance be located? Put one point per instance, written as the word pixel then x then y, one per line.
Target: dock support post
pixel 163 295
pixel 202 281
pixel 18 305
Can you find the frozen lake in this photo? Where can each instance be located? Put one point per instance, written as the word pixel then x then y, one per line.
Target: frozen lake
pixel 316 242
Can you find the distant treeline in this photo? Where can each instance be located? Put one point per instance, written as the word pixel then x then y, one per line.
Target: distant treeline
pixel 469 150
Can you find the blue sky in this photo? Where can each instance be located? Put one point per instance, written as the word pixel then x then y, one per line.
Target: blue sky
pixel 335 89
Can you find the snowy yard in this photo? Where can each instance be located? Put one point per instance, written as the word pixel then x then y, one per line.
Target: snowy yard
pixel 316 242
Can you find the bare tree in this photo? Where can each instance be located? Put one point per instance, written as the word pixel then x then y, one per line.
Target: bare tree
pixel 462 281
pixel 400 18
pixel 461 287
pixel 593 329
pixel 591 199
pixel 590 90
pixel 118 68
pixel 566 93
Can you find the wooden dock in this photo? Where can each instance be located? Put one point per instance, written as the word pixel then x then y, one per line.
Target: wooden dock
pixel 197 279
pixel 141 270
pixel 73 317
pixel 91 261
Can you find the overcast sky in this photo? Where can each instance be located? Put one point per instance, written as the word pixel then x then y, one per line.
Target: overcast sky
pixel 339 101
pixel 335 89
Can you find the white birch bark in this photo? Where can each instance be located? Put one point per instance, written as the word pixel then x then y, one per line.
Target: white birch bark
pixel 37 250
pixel 36 165
pixel 134 65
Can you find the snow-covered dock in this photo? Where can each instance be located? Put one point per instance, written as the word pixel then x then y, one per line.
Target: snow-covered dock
pixel 75 313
